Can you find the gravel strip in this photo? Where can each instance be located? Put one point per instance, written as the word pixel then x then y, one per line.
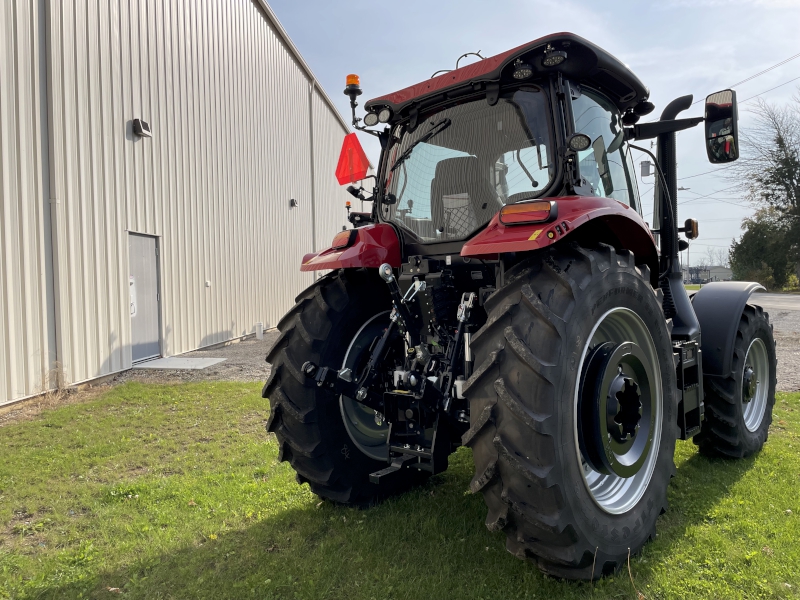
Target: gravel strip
pixel 244 361
pixel 786 325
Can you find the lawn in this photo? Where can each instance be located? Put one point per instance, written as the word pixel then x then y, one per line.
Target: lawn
pixel 176 492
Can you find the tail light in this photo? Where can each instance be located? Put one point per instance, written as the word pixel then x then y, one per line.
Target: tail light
pixel 344 239
pixel 529 212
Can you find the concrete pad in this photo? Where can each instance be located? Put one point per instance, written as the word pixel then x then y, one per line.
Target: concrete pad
pixel 176 362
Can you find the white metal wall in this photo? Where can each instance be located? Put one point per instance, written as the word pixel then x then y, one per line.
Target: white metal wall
pixel 231 105
pixel 330 203
pixel 25 322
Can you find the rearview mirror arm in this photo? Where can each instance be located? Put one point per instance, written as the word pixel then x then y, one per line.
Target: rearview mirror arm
pixel 647 131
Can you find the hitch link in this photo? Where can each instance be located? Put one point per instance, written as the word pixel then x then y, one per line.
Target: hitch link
pixel 448 384
pixel 400 313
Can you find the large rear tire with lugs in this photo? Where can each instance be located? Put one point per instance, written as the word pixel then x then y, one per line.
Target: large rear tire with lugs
pixel 565 482
pixel 738 407
pixel 332 323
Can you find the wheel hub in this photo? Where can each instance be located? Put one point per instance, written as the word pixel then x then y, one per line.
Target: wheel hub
pixel 367 428
pixel 616 409
pixel 749 384
pixel 623 408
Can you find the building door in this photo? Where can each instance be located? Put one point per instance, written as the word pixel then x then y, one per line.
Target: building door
pixel 144 297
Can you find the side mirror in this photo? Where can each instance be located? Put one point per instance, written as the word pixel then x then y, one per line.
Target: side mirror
pixel 722 128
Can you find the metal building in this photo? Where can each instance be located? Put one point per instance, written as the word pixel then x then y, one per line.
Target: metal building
pixel 115 247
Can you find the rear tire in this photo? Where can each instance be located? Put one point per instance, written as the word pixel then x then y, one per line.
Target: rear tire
pixel 524 412
pixel 737 415
pixel 306 419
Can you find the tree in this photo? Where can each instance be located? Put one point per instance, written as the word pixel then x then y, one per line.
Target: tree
pixel 718 257
pixel 769 175
pixel 763 254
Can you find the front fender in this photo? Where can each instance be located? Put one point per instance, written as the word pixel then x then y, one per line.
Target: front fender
pixel 622 221
pixel 373 246
pixel 719 308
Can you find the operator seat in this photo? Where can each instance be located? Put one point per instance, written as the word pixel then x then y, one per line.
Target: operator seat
pixel 462 198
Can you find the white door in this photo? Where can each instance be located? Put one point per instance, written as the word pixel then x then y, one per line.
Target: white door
pixel 144 297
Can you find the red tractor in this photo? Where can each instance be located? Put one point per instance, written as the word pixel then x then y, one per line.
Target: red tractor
pixel 505 293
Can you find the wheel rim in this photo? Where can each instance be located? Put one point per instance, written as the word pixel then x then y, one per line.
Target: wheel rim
pixel 755 384
pixel 618 475
pixel 360 421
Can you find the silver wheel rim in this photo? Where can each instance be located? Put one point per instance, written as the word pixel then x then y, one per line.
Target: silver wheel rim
pixel 614 494
pixel 757 359
pixel 359 420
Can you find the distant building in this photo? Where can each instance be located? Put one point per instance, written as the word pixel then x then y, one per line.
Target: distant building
pixel 706 274
pixel 719 274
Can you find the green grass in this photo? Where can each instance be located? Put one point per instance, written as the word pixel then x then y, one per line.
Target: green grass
pixel 692 286
pixel 175 492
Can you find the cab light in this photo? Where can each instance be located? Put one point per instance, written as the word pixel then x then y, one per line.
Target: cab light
pixel 344 239
pixel 352 79
pixel 384 115
pixel 530 212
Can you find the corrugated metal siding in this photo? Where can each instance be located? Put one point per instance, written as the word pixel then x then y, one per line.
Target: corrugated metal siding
pixel 25 343
pixel 230 104
pixel 331 213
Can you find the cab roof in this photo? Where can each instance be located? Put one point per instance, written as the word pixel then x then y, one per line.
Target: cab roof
pixel 585 63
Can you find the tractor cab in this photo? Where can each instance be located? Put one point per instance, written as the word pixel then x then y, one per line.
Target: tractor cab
pixel 505 130
pixel 543 120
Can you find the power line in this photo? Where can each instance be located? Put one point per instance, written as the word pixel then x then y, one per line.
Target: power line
pixel 706 172
pixel 769 90
pixel 694 200
pixel 759 74
pixel 716 192
pixel 775 66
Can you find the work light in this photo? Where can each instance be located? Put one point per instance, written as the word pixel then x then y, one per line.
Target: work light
pixel 553 58
pixel 579 141
pixel 522 70
pixel 384 115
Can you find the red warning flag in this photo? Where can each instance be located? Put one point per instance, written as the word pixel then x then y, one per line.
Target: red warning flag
pixel 353 162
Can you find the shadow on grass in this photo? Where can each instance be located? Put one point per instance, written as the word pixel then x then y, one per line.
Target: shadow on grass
pixel 431 542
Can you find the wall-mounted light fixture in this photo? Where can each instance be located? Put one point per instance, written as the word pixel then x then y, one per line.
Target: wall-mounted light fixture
pixel 142 128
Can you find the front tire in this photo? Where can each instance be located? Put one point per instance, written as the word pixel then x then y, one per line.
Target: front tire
pixel 528 430
pixel 739 406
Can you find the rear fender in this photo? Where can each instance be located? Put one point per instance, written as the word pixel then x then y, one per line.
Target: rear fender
pixel 580 218
pixel 373 246
pixel 719 308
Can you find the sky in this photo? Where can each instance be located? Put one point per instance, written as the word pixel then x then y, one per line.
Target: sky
pixel 676 47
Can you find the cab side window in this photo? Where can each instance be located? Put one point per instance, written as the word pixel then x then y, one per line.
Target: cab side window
pixel 604 164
